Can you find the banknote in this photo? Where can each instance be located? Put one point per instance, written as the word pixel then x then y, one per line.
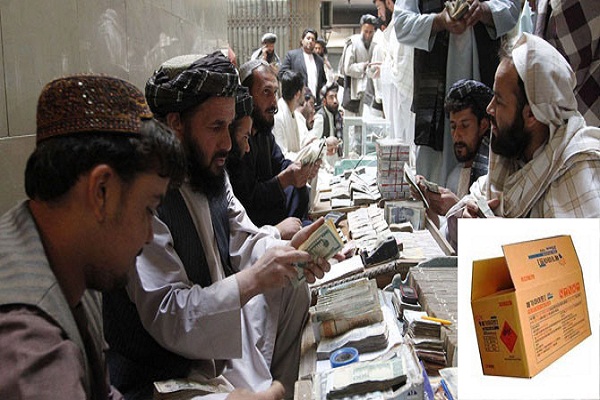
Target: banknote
pixel 325 242
pixel 457 8
pixel 365 377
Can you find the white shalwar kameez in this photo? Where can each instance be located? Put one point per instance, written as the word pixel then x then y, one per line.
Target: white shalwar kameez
pixel 207 323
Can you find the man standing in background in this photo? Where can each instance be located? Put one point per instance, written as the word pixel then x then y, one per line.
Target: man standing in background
pixel 306 62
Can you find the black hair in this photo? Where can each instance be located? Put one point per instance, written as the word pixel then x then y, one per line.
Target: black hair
pixel 328 88
pixel 291 83
pixel 455 105
pixel 310 30
pixel 57 162
pixel 249 81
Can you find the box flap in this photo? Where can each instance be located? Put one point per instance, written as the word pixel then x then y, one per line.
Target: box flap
pixel 538 261
pixel 489 276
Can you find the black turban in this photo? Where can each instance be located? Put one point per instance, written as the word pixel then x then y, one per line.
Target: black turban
pixel 181 83
pixel 470 91
pixel 243 103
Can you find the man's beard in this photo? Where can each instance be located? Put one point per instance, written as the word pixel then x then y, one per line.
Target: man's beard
pixel 201 178
pixel 388 16
pixel 260 123
pixel 366 43
pixel 470 153
pixel 331 109
pixel 512 141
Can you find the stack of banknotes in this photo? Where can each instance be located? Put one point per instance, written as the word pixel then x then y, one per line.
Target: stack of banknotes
pixel 347 306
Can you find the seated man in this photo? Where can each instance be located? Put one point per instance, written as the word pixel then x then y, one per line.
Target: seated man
pixel 545 161
pixel 211 296
pixel 241 131
pixel 93 186
pixel 465 106
pixel 270 187
pixel 307 112
pixel 328 120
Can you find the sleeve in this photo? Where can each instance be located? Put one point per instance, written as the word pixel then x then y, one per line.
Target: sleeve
pixel 183 317
pixel 278 160
pixel 576 194
pixel 412 27
pixel 247 242
pixel 318 126
pixel 287 63
pixel 505 14
pixel 353 69
pixel 279 130
pixel 37 361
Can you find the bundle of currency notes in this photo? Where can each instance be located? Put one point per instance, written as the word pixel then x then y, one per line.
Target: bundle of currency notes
pixel 347 306
pixel 457 8
pixel 179 389
pixel 365 339
pixel 365 377
pixel 325 242
pixel 311 153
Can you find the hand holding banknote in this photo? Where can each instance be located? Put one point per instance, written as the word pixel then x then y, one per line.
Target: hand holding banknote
pixel 322 242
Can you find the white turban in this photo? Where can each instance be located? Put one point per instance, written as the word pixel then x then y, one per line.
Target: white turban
pixel 548 78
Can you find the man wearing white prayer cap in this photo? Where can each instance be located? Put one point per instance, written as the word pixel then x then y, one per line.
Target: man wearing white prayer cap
pixel 545 161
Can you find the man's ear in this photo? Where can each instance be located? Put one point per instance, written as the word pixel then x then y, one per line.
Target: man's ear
pixel 484 126
pixel 100 189
pixel 175 122
pixel 528 117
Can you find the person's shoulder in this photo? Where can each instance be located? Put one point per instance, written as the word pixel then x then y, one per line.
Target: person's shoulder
pixel 32 323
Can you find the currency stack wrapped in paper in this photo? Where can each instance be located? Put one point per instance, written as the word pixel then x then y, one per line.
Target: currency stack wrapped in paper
pixel 426 337
pixel 381 378
pixel 392 155
pixel 365 339
pixel 347 306
pixel 438 293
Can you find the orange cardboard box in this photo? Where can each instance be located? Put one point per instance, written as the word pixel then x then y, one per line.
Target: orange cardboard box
pixel 529 306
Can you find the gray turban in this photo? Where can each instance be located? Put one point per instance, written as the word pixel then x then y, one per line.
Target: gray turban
pixel 186 81
pixel 248 67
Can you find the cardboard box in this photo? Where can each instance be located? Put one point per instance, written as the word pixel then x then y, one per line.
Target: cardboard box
pixel 529 306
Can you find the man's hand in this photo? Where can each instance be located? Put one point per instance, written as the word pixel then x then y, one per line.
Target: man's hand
pixel 472 210
pixel 441 202
pixel 314 169
pixel 289 227
pixel 444 22
pixel 295 174
pixel 316 268
pixel 274 270
pixel 275 392
pixel 478 11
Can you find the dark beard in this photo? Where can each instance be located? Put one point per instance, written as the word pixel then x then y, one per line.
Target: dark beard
pixel 470 154
pixel 201 178
pixel 259 123
pixel 511 142
pixel 331 109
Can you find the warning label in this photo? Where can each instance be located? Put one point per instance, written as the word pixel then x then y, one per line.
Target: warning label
pixel 508 336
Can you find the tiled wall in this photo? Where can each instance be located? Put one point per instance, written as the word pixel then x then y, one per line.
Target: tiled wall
pixel 44 39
